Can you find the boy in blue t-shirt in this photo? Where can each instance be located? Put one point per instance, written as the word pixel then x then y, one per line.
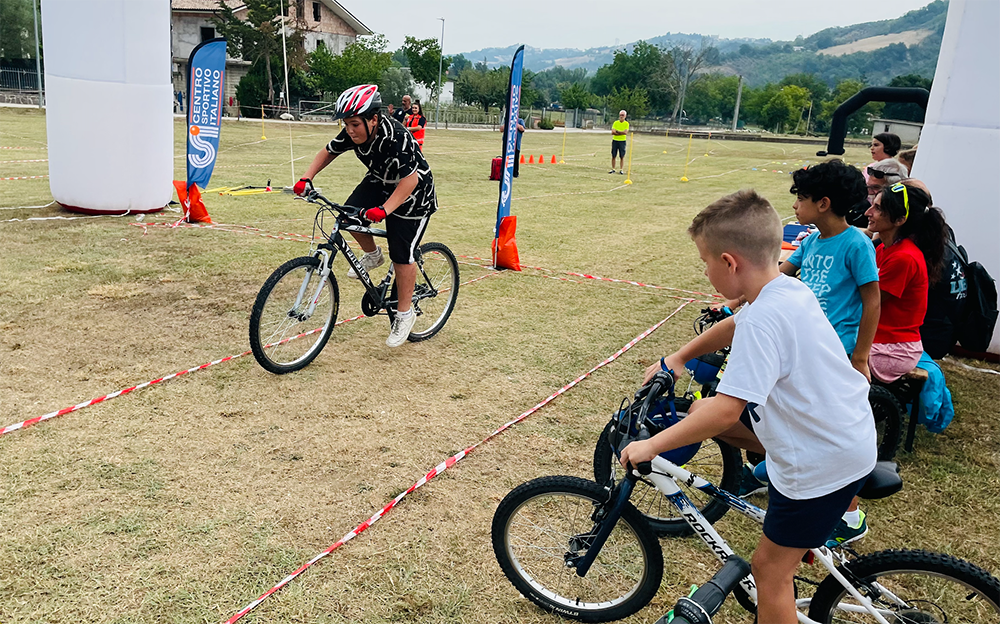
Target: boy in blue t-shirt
pixel 838 262
pixel 810 410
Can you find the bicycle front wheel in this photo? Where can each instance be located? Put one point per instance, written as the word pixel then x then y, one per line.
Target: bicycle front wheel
pixel 715 461
pixel 435 291
pixel 542 522
pixel 284 334
pixel 911 587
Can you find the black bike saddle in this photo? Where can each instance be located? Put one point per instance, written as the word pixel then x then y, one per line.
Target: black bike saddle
pixel 883 481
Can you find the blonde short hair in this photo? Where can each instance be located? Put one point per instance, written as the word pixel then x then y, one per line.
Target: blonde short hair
pixel 744 224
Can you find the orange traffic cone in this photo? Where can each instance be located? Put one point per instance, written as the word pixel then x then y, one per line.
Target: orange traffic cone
pixel 522 159
pixel 553 159
pixel 531 160
pixel 541 159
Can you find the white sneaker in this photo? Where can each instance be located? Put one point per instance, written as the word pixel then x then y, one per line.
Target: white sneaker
pixel 369 261
pixel 400 329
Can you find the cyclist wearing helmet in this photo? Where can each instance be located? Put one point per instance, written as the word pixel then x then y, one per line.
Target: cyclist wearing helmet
pixel 397 188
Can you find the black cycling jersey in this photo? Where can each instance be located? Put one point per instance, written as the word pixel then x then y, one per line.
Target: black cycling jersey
pixel 390 156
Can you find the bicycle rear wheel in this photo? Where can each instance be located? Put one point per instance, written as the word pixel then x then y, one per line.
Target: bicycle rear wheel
pixel 284 336
pixel 888 421
pixel 911 587
pixel 715 461
pixel 435 291
pixel 542 522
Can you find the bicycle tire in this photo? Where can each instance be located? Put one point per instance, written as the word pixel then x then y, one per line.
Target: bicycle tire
pixel 435 291
pixel 715 461
pixel 280 339
pixel 531 537
pixel 921 579
pixel 888 415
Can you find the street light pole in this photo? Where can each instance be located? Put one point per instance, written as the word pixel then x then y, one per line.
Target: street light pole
pixel 38 60
pixel 437 114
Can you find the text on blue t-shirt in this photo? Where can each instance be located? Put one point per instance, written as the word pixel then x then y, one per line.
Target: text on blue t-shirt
pixel 834 268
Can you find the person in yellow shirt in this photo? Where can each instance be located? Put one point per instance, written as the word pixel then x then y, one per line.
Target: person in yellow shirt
pixel 619 134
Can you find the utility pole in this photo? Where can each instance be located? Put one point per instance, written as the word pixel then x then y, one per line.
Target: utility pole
pixel 736 111
pixel 437 114
pixel 809 117
pixel 38 60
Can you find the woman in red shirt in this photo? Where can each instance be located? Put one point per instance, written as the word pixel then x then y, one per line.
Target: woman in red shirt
pixel 415 123
pixel 909 258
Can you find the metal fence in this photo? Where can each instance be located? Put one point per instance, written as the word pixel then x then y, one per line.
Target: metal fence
pixel 17 79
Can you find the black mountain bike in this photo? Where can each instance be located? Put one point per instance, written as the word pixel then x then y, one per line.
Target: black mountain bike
pixel 297 307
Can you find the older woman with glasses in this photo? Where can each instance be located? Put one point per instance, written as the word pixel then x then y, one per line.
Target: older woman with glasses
pixel 910 256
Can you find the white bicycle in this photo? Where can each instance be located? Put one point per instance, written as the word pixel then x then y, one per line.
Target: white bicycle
pixel 581 550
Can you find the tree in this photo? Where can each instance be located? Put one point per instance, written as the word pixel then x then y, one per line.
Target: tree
pixel 575 96
pixel 259 37
pixel 395 83
pixel 458 65
pixel 635 101
pixel 424 56
pixel 711 96
pixel 17 30
pixel 485 88
pixel 642 68
pixel 363 62
pixel 818 90
pixel 907 112
pixel 686 63
pixel 785 107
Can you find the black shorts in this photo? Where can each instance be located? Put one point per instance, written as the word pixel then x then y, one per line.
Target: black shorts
pixel 403 234
pixel 806 523
pixel 618 148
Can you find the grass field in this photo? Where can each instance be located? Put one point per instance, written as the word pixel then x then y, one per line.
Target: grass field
pixel 184 501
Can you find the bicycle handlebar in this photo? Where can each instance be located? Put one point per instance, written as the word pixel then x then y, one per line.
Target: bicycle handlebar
pixel 314 197
pixel 706 601
pixel 661 382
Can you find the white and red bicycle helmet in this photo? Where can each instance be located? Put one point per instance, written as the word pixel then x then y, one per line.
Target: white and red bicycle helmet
pixel 360 101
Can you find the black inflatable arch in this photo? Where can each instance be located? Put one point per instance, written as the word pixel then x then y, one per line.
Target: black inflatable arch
pixel 838 125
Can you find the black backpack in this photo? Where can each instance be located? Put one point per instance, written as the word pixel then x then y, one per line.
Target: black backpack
pixel 980 317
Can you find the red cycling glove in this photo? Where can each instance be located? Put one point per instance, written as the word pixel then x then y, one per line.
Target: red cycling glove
pixel 303 186
pixel 375 215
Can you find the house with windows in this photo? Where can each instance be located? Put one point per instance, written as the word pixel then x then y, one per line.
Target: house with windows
pixel 323 22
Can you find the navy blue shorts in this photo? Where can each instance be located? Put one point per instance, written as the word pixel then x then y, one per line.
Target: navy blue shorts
pixel 804 523
pixel 619 148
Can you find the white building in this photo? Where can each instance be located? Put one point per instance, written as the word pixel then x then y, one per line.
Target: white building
pixel 324 22
pixel 907 131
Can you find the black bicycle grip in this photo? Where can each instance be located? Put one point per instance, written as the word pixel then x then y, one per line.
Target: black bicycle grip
pixel 706 601
pixel 645 467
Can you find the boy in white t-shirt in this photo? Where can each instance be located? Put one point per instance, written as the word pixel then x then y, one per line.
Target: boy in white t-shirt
pixel 788 392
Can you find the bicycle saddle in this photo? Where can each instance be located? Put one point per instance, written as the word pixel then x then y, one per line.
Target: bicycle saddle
pixel 883 481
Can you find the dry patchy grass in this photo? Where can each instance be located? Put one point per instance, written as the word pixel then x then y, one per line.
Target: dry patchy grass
pixel 184 501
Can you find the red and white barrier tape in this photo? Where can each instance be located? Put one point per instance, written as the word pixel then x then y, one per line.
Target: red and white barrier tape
pixel 7 147
pixel 446 464
pixel 7 162
pixel 118 393
pixel 37 177
pixel 79 406
pixel 573 281
pixel 606 279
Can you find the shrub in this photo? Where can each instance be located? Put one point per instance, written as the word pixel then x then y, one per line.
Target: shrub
pixel 545 124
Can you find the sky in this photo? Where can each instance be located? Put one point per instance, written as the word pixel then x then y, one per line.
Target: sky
pixel 476 24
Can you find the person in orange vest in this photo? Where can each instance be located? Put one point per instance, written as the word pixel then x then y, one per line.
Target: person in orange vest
pixel 415 123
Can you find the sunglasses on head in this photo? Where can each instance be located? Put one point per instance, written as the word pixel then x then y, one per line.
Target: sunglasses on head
pixel 899 187
pixel 878 174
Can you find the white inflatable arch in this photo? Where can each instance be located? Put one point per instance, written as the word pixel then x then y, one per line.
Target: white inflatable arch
pixel 959 153
pixel 109 104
